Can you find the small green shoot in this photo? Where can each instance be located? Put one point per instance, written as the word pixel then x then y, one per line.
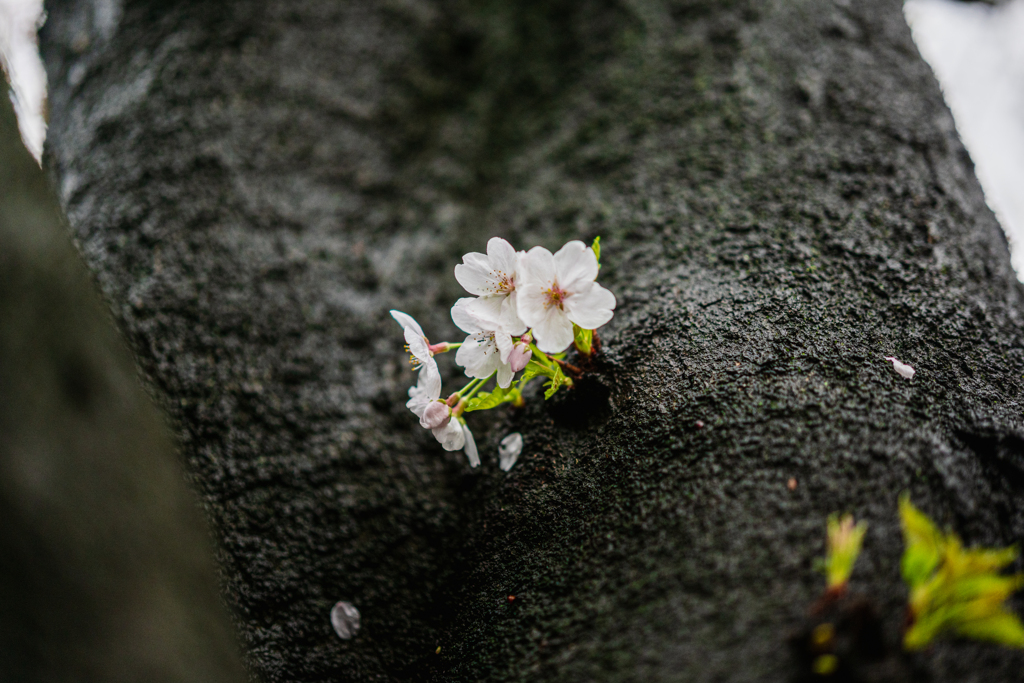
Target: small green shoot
pixel 584 339
pixel 596 248
pixel 844 543
pixel 953 589
pixel 544 367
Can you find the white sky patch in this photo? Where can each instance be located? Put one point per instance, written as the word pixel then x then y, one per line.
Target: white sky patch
pixel 19 54
pixel 977 53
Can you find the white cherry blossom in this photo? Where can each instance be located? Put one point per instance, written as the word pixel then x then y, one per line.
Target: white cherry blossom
pixel 428 385
pixel 487 348
pixel 493 278
pixel 555 291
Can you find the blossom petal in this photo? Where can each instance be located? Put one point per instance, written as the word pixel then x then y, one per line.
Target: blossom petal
pixel 465 317
pixel 427 389
pixel 591 308
pixel 508 318
pixel 504 259
pixel 451 436
pixel 531 304
pixel 417 345
pixel 486 310
pixel 478 355
pixel 474 274
pixel 503 341
pixel 509 449
pixel 471 452
pixel 902 369
pixel 505 375
pixel 575 266
pixel 406 320
pixel 537 267
pixel 553 331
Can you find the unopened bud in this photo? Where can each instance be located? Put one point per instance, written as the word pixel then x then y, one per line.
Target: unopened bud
pixel 436 415
pixel 520 356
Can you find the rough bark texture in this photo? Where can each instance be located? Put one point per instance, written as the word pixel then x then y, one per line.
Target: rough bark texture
pixel 106 570
pixel 782 201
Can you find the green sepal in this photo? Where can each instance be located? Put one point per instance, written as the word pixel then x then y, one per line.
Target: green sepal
pixel 596 247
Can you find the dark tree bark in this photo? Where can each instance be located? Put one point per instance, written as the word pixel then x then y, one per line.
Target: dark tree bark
pixel 782 201
pixel 106 571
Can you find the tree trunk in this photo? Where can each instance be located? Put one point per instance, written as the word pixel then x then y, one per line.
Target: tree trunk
pixel 782 201
pixel 106 570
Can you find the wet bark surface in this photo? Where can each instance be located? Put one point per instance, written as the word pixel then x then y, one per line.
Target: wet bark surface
pixel 782 201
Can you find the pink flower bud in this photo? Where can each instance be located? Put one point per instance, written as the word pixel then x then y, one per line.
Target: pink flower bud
pixel 436 415
pixel 519 356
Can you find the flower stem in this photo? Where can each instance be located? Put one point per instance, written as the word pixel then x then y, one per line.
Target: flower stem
pixel 474 384
pixel 570 367
pixel 478 387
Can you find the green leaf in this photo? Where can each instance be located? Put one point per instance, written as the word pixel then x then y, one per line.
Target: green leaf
pixel 954 589
pixel 584 339
pixel 844 543
pixel 485 401
pixel 596 247
pixel 534 369
pixel 923 544
pixel 1002 627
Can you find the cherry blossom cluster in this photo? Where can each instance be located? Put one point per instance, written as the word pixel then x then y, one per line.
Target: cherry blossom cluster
pixel 527 308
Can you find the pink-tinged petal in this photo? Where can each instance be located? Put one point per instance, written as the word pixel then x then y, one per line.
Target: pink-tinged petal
pixel 537 267
pixel 471 453
pixel 531 303
pixel 509 317
pixel 451 436
pixel 902 369
pixel 591 308
pixel 426 391
pixel 436 415
pixel 554 332
pixel 474 274
pixel 576 266
pixel 519 357
pixel 406 320
pixel 464 317
pixel 478 355
pixel 503 341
